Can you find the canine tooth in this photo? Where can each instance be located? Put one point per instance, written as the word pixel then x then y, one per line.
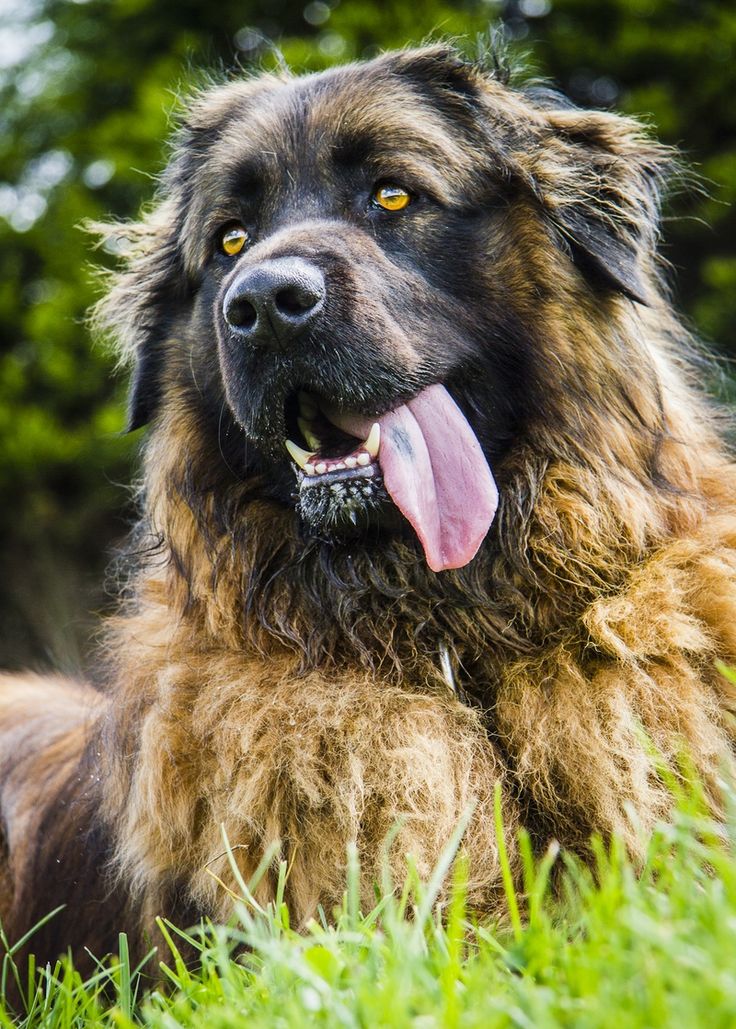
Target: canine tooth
pixel 312 441
pixel 374 440
pixel 299 456
pixel 364 459
pixel 320 468
pixel 351 462
pixel 307 406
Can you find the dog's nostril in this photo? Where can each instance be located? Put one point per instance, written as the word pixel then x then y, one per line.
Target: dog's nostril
pixel 241 314
pixel 296 300
pixel 271 303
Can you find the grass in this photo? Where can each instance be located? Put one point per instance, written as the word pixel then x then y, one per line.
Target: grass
pixel 612 948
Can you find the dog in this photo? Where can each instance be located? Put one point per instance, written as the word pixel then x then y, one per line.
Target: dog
pixel 434 511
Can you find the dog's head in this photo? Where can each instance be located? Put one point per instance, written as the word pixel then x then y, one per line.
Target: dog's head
pixel 352 278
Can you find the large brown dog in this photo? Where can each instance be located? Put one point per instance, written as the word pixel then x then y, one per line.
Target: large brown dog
pixel 444 293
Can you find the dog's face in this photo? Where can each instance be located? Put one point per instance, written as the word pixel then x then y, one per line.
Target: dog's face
pixel 346 275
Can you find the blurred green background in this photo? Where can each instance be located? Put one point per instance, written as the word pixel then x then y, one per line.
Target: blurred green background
pixel 87 91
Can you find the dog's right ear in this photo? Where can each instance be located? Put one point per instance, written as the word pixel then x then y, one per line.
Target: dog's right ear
pixel 144 395
pixel 135 313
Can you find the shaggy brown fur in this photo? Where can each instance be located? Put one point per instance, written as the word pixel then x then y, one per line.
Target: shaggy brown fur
pixel 316 688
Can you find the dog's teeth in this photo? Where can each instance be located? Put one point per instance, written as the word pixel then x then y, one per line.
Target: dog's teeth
pixel 312 441
pixel 309 469
pixel 320 468
pixel 374 440
pixel 307 405
pixel 351 462
pixel 363 460
pixel 298 455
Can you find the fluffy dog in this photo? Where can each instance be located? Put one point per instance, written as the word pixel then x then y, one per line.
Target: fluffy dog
pixel 432 504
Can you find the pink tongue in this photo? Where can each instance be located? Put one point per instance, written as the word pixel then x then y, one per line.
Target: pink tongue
pixel 435 473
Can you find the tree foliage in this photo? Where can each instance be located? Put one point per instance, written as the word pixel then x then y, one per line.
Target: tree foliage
pixel 87 95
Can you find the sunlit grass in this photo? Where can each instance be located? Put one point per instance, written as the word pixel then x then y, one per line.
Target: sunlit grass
pixel 613 946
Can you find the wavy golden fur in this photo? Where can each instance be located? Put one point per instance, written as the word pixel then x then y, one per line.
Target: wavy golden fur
pixel 315 691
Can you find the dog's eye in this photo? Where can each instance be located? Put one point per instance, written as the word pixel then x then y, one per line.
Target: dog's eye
pixel 233 240
pixel 391 197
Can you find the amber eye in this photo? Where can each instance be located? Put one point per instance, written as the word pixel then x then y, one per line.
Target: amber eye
pixel 391 197
pixel 233 240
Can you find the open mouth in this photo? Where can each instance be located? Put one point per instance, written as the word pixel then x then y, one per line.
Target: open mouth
pixel 421 456
pixel 339 479
pixel 332 453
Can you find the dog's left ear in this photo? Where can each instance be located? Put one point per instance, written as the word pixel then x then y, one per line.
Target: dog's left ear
pixel 599 178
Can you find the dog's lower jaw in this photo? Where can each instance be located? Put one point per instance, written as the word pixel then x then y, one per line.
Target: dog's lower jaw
pixel 346 508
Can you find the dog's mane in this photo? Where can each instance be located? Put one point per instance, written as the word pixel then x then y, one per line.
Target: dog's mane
pixel 572 524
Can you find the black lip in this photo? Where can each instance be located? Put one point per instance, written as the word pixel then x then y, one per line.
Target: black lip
pixel 371 472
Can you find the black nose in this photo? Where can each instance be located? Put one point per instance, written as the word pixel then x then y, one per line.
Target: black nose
pixel 271 303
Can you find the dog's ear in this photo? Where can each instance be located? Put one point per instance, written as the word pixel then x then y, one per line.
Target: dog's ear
pixel 598 175
pixel 144 395
pixel 599 178
pixel 136 311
